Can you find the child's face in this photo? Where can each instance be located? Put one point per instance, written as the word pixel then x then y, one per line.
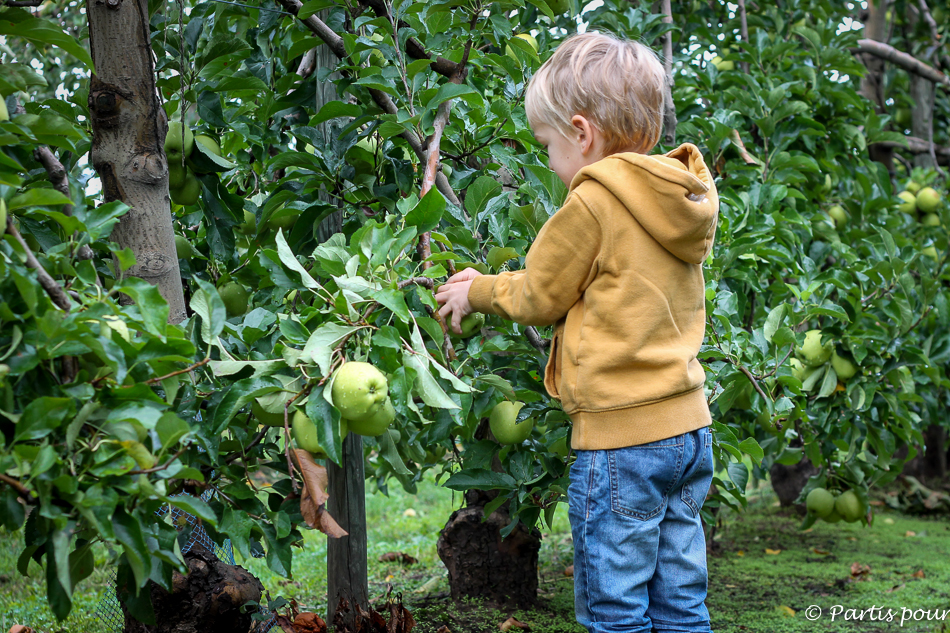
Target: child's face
pixel 567 156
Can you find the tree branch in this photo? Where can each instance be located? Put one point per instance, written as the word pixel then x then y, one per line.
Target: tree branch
pixel 58 177
pixel 916 145
pixel 908 62
pixel 383 100
pixel 27 494
pixel 440 65
pixel 535 339
pixel 50 285
pixel 23 3
pixel 744 31
pixel 669 110
pixel 155 469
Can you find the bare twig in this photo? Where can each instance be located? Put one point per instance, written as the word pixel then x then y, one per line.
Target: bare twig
pixel 52 288
pixel 158 379
pixel 744 31
pixel 416 281
pixel 58 177
pixel 908 62
pixel 257 440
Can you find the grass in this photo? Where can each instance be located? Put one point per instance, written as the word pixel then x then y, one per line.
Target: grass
pixel 764 573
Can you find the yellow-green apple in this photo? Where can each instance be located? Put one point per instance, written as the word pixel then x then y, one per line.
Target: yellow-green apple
pixel 843 367
pixel 812 352
pixel 235 297
pixel 471 324
pixel 305 433
pixel 838 215
pixel 359 390
pixel 504 425
pixel 377 423
pixel 820 502
pixel 909 204
pixel 179 141
pixel 928 200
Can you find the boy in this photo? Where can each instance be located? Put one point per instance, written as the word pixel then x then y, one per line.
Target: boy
pixel 618 271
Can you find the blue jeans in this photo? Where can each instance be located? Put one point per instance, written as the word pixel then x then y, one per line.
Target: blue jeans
pixel 639 547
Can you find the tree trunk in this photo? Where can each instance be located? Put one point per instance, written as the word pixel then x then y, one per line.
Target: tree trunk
pixel 929 465
pixel 872 84
pixel 482 564
pixel 129 126
pixel 922 122
pixel 207 600
pixel 789 481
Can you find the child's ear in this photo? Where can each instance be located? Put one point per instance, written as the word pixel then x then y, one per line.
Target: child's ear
pixel 584 132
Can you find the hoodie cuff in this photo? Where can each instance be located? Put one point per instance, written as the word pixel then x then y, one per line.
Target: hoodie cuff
pixel 480 293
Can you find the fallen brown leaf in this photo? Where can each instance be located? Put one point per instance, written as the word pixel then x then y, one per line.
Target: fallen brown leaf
pixel 859 570
pixel 743 152
pixel 918 574
pixel 910 533
pixel 895 588
pixel 820 552
pixel 444 629
pixel 400 557
pixel 569 570
pixel 309 623
pixel 773 552
pixel 314 498
pixel 19 628
pixel 512 623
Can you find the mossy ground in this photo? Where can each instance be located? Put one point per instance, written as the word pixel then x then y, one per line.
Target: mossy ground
pixel 764 573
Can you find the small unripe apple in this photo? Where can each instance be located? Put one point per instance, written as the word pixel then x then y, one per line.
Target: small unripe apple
pixel 812 352
pixel 526 37
pixel 843 367
pixel 504 425
pixel 471 324
pixel 909 204
pixel 377 423
pixel 931 219
pixel 838 214
pixel 928 200
pixel 179 140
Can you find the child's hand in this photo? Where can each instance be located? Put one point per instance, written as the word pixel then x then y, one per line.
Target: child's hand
pixel 453 297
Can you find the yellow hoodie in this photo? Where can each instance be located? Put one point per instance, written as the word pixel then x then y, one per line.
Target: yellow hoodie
pixel 618 270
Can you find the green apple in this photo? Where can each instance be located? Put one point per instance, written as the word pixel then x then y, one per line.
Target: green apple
pixel 305 433
pixel 4 113
pixel 843 367
pixel 825 188
pixel 377 423
pixel 838 215
pixel 235 298
pixel 931 219
pixel 820 502
pixel 182 247
pixel 928 200
pixel 909 204
pixel 849 506
pixel 179 141
pixel 798 369
pixel 188 193
pixel 504 425
pixel 269 409
pixel 359 390
pixel 527 37
pixel 471 324
pixel 176 174
pixel 249 226
pixel 209 143
pixel 812 352
pixel 833 517
pixel 930 252
pixel 284 221
pixel 721 63
pixel 913 186
pixel 903 118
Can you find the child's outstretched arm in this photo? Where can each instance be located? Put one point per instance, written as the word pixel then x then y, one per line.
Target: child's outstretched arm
pixel 560 265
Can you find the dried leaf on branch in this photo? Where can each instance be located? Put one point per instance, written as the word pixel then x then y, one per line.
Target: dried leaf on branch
pixel 314 498
pixel 512 623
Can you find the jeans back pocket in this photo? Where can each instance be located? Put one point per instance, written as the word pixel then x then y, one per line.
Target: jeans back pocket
pixel 642 477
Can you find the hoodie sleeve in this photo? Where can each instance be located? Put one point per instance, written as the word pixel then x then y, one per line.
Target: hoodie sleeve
pixel 560 265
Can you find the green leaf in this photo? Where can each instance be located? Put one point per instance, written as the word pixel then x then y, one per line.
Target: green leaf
pixel 387 450
pixel 37 198
pixel 41 417
pixel 498 256
pixel 39 31
pixel 150 302
pixel 327 420
pixel 774 321
pixel 170 429
pixel 479 193
pixel 194 506
pixel 320 345
pixel 426 385
pixel 426 215
pixel 394 300
pixel 480 479
pixel 128 532
pixel 752 448
pixel 450 91
pixel 829 384
pixel 207 304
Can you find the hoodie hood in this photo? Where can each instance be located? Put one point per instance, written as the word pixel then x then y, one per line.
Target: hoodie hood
pixel 672 196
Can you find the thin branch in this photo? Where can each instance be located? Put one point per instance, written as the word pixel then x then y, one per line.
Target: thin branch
pixel 257 440
pixel 535 339
pixel 773 372
pixel 158 379
pixel 50 285
pixel 58 177
pixel 669 110
pixel 23 3
pixel 440 65
pixel 908 62
pixel 149 471
pixel 417 281
pixel 916 145
pixel 744 31
pixel 23 491
pixel 929 19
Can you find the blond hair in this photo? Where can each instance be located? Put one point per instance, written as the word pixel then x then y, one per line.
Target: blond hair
pixel 617 84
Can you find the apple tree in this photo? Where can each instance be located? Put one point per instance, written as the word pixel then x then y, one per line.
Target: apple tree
pixel 312 231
